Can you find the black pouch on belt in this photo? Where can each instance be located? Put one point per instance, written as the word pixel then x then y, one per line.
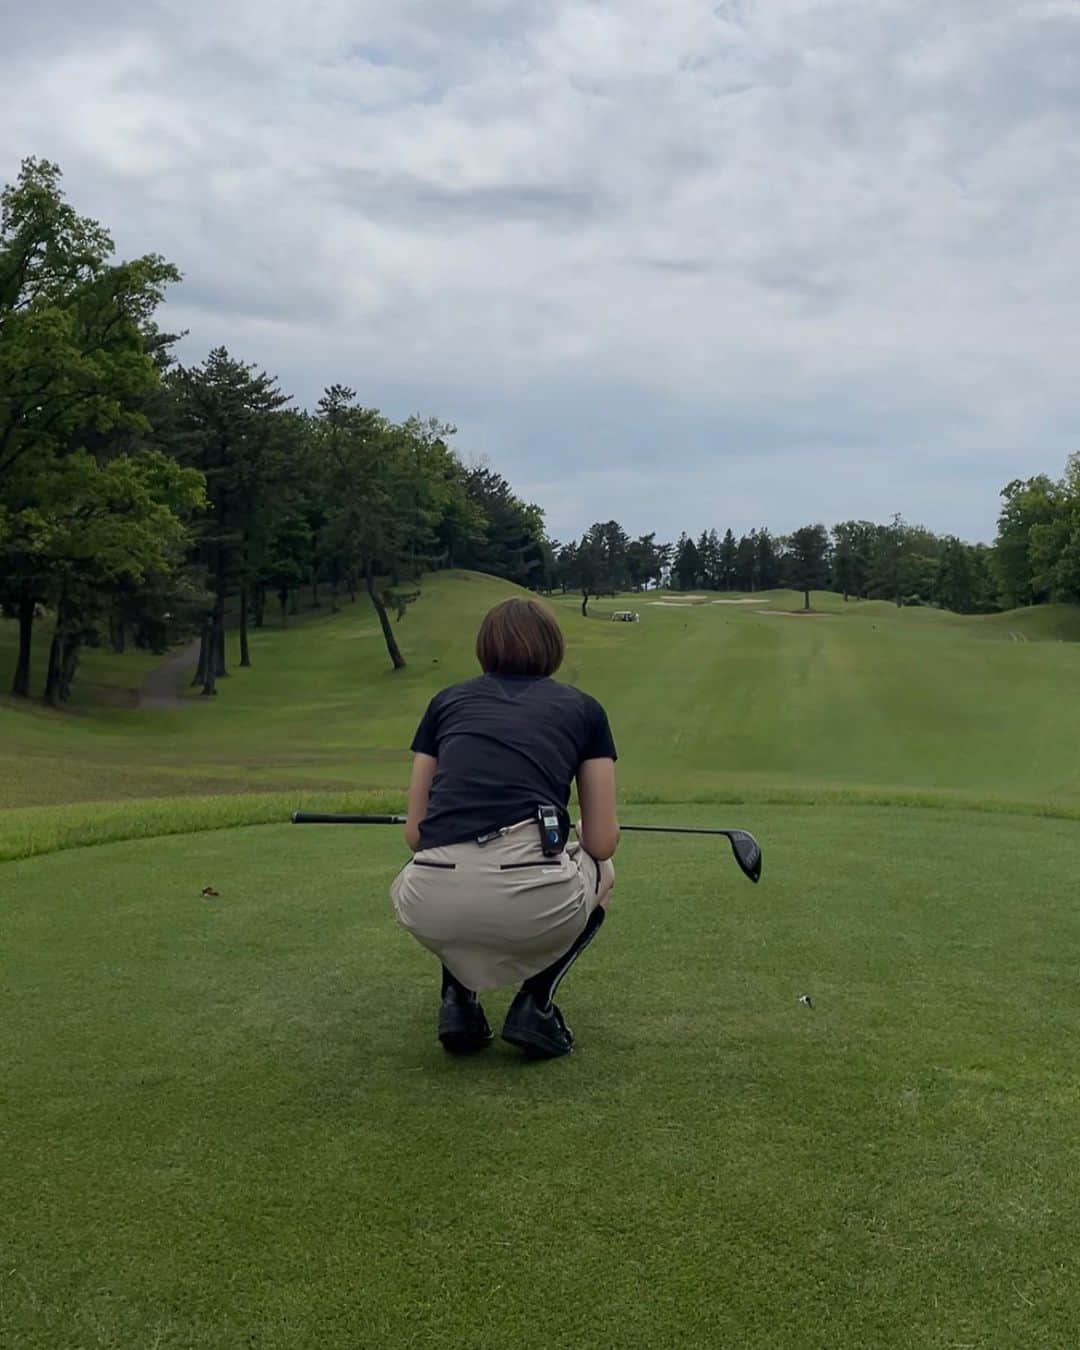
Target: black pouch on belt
pixel 551 831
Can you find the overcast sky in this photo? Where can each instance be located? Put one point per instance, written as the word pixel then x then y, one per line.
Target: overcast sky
pixel 678 263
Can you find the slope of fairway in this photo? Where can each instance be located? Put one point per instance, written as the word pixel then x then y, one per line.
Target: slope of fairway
pixel 708 701
pixel 228 1123
pixel 1036 623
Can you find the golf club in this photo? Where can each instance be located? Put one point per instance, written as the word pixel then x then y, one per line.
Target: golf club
pixel 744 846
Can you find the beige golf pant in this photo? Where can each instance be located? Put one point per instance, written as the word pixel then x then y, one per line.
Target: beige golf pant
pixel 497 913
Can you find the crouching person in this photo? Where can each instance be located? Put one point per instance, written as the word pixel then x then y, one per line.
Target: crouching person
pixel 495 900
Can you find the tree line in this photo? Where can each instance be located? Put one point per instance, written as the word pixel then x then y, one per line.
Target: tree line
pixel 904 563
pixel 143 500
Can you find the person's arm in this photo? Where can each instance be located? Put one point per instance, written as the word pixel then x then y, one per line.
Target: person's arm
pixel 423 771
pixel 599 828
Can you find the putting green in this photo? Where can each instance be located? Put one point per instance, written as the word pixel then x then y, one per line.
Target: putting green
pixel 229 1124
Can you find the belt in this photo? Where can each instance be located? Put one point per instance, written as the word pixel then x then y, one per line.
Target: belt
pixel 489 835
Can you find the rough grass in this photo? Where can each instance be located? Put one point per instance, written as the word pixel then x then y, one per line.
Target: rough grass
pixel 35 830
pixel 228 1123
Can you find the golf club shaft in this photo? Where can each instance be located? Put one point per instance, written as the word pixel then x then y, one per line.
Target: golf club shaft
pixel 744 846
pixel 671 829
pixel 324 818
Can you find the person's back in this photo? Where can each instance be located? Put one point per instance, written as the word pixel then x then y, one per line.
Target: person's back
pixel 503 744
pixel 483 891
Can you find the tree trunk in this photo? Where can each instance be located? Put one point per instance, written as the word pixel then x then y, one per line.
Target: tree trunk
pixel 218 647
pixel 585 604
pixel 20 686
pixel 204 656
pixel 283 600
pixel 221 593
pixel 209 643
pixel 806 599
pixel 69 662
pixel 52 675
pixel 384 619
pixel 245 655
pixel 294 602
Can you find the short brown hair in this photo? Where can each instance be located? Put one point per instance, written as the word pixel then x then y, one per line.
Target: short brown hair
pixel 519 637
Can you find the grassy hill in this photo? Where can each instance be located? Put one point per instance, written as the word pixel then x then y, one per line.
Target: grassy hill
pixel 710 700
pixel 228 1123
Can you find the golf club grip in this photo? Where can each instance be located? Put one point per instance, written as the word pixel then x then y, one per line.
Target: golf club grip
pixel 324 818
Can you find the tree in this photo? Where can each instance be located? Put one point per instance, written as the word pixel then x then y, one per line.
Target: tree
pixel 589 568
pixel 231 429
pixel 371 476
pixel 510 541
pixel 954 583
pixel 285 563
pixel 612 543
pixel 102 523
pixel 708 548
pixel 75 370
pixel 1053 548
pixel 767 562
pixel 745 559
pixel 886 579
pixel 852 555
pixel 1027 503
pixel 726 563
pixel 646 560
pixel 686 567
pixel 808 550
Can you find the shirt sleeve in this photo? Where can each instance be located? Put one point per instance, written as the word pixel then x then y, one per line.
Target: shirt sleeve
pixel 599 742
pixel 426 741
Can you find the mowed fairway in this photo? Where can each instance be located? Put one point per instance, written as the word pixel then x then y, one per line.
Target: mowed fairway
pixel 227 1121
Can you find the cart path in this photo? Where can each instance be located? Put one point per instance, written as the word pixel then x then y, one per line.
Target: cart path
pixel 160 686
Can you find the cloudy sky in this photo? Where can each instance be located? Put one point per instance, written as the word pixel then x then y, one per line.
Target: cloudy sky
pixel 685 264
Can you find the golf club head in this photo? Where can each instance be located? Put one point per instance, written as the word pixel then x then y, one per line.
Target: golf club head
pixel 747 853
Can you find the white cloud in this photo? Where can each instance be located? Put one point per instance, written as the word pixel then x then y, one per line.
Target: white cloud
pixel 815 256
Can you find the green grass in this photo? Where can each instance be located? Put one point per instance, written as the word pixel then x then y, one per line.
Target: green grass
pixel 228 1124
pixel 710 700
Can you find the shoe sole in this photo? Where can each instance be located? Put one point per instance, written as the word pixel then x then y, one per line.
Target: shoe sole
pixel 462 1043
pixel 535 1046
pixel 461 1036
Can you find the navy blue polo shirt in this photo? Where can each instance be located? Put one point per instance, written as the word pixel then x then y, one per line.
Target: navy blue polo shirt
pixel 505 744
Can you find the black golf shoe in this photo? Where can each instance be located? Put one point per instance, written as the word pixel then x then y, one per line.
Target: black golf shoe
pixel 541 1033
pixel 462 1024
